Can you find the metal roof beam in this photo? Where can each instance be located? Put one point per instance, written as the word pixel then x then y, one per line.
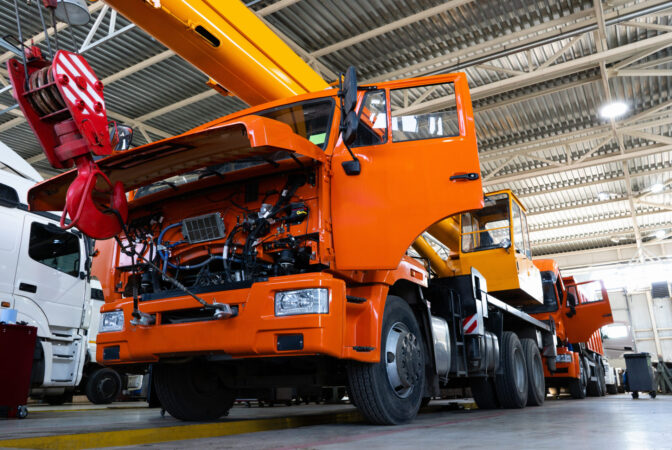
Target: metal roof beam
pixel 413 18
pixel 598 235
pixel 538 33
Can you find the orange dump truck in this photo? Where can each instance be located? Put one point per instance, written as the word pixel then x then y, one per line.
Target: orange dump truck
pixel 578 310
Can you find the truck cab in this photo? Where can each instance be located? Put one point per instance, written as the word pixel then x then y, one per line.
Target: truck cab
pixel 44 277
pixel 578 311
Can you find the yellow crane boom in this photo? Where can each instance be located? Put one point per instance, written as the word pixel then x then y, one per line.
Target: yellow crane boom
pixel 229 43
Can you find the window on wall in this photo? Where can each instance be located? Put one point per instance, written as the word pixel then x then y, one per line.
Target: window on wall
pixel 372 129
pixel 54 248
pixel 424 112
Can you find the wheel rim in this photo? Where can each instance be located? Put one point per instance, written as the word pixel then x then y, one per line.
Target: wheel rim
pixel 107 387
pixel 519 370
pixel 403 359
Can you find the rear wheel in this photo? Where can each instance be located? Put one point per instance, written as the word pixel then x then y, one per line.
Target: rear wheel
pixel 390 392
pixel 635 394
pixel 103 386
pixel 593 388
pixel 536 388
pixel 578 386
pixel 192 391
pixel 612 389
pixel 483 392
pixel 512 385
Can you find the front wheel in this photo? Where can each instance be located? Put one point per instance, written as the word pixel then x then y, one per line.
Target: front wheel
pixel 103 386
pixel 192 391
pixel 390 391
pixel 577 387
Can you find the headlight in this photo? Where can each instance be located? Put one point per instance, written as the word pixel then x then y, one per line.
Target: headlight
pixel 302 301
pixel 111 321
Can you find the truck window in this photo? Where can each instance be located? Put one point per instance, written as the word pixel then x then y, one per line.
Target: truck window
pixel 372 129
pixel 551 303
pixel 54 248
pixel 518 242
pixel 428 123
pixel 487 228
pixel 526 234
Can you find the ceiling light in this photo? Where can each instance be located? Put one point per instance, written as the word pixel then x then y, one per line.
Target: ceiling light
pixel 613 110
pixel 656 188
pixel 659 234
pixel 615 239
pixel 74 12
pixel 602 196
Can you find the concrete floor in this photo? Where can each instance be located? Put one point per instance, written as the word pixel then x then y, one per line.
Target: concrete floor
pixel 608 422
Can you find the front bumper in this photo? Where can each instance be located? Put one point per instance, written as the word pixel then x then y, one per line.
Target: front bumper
pixel 254 332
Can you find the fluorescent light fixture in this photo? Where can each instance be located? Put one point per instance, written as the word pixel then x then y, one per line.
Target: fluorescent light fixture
pixel 602 196
pixel 613 110
pixel 615 239
pixel 659 234
pixel 656 188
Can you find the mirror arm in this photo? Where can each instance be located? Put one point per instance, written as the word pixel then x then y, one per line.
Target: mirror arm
pixel 352 167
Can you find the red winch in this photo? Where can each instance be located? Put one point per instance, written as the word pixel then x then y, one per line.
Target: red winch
pixel 64 105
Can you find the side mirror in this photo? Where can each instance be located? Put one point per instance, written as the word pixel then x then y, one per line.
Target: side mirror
pixel 8 196
pixel 349 90
pixel 505 243
pixel 350 128
pixel 349 118
pixel 121 137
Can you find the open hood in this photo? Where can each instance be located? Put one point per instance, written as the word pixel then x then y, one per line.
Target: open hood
pixel 248 137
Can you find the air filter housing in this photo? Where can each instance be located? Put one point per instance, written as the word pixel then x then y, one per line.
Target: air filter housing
pixel 208 227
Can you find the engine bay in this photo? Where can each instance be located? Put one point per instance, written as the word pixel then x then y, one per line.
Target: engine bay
pixel 224 237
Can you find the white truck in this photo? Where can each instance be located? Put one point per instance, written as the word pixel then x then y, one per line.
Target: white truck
pixel 45 277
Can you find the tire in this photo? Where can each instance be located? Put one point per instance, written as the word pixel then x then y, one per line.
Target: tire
pixel 192 391
pixel 58 399
pixel 612 389
pixel 652 394
pixel 536 383
pixel 601 381
pixel 512 385
pixel 390 392
pixel 578 387
pixel 635 395
pixel 425 401
pixel 103 386
pixel 483 392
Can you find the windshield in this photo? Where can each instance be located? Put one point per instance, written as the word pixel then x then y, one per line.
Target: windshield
pixel 310 119
pixel 487 228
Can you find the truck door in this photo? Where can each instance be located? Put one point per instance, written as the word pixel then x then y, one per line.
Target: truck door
pixel 587 315
pixel 10 242
pixel 419 164
pixel 51 271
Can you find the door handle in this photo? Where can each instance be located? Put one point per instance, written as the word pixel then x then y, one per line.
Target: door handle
pixel 464 177
pixel 28 287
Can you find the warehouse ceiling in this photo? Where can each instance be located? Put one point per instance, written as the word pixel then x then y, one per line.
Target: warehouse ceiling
pixel 597 190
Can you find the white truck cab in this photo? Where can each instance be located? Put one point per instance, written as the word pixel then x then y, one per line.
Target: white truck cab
pixel 44 276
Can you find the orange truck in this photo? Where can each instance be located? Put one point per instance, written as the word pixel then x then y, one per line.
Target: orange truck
pixel 578 311
pixel 321 237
